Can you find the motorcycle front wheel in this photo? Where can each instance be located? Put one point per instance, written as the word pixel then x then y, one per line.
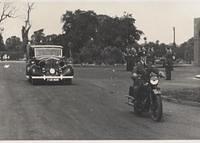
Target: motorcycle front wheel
pixel 156 108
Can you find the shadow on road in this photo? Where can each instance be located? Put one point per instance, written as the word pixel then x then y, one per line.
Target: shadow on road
pixel 44 83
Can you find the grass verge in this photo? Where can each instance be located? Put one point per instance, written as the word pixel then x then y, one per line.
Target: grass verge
pixel 187 94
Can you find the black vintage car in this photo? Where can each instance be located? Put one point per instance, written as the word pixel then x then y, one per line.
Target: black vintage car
pixel 47 63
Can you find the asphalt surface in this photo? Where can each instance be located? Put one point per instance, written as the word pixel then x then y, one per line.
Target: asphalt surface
pixel 93 107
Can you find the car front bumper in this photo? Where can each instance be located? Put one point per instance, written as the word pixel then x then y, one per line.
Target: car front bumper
pixel 61 77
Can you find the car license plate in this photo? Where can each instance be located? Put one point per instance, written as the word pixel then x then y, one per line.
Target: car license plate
pixel 52 79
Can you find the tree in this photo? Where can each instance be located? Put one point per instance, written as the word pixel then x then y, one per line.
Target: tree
pixel 115 36
pixel 26 27
pixel 79 27
pixel 2 46
pixel 112 55
pixel 91 53
pixel 51 39
pixel 8 11
pixel 13 43
pixel 118 32
pixel 185 50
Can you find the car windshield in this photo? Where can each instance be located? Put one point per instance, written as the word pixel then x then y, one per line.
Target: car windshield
pixel 39 52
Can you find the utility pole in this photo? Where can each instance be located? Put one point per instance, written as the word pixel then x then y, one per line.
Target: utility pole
pixel 174 36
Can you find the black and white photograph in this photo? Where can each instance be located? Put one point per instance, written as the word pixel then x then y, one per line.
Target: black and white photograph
pixel 99 70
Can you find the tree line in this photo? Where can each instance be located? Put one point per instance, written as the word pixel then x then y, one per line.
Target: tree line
pixel 93 38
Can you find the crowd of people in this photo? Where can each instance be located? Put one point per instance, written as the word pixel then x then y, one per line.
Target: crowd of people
pixel 134 55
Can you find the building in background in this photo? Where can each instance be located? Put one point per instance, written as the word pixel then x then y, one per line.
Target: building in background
pixel 197 41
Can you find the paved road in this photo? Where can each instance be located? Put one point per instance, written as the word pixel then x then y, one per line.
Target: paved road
pixel 92 108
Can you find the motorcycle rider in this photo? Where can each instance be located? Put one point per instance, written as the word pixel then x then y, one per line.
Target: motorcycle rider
pixel 141 74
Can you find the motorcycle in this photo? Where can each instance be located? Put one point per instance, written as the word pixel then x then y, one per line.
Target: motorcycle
pixel 150 99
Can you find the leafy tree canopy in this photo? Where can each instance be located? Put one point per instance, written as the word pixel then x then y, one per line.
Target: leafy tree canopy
pixel 81 27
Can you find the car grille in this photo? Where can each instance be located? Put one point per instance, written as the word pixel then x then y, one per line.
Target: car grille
pixel 51 63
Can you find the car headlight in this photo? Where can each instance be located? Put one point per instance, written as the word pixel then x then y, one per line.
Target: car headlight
pixel 43 69
pixel 52 71
pixel 68 70
pixel 28 68
pixel 154 80
pixel 33 70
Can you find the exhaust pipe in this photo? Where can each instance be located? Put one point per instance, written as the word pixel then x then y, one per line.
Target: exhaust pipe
pixel 130 97
pixel 130 103
pixel 130 100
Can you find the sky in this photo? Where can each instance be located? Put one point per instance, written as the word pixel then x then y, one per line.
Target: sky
pixel 156 18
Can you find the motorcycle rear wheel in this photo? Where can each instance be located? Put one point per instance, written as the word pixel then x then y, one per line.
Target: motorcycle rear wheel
pixel 157 109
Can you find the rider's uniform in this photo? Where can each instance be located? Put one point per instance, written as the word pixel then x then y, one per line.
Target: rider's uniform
pixel 143 71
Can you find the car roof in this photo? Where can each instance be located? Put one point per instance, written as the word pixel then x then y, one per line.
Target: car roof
pixel 46 46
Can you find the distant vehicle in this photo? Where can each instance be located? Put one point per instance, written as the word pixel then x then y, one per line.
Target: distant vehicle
pixel 47 63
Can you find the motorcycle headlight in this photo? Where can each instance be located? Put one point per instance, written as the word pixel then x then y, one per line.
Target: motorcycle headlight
pixel 154 80
pixel 134 75
pixel 32 62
